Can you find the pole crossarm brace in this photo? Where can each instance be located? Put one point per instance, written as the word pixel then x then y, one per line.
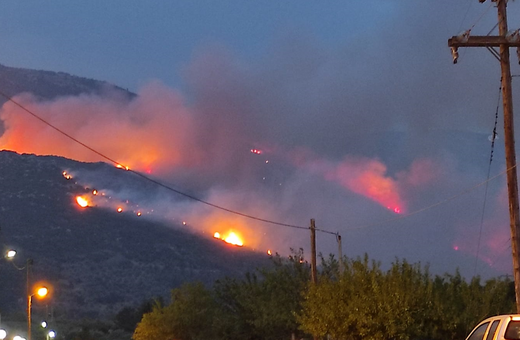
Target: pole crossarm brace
pixel 482 41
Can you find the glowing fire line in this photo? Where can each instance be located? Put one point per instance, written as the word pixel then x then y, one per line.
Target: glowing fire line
pixel 231 238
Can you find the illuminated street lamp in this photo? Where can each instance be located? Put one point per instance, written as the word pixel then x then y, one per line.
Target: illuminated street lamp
pixel 3 334
pixel 50 334
pixel 10 254
pixel 40 292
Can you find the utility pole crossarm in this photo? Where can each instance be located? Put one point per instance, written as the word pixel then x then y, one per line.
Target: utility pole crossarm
pixel 482 41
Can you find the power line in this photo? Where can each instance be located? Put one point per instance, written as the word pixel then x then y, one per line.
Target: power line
pixel 215 205
pixel 493 138
pixel 153 180
pixel 231 211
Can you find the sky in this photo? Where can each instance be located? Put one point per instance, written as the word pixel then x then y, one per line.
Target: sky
pixel 361 119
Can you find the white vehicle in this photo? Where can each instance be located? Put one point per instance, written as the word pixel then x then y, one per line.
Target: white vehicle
pixel 500 327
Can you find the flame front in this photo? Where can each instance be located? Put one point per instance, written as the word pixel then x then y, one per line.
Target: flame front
pixel 82 202
pixel 231 238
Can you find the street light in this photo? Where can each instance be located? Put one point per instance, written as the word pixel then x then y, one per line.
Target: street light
pixel 50 334
pixel 3 334
pixel 41 292
pixel 10 254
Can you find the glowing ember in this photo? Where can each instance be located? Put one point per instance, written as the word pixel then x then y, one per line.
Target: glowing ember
pixel 119 210
pixel 138 213
pixel 81 202
pixel 94 192
pixel 66 175
pixel 217 235
pixel 119 166
pixel 269 252
pixel 256 151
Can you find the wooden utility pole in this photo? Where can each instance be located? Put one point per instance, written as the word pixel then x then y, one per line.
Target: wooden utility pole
pixel 29 297
pixel 340 254
pixel 314 272
pixel 504 41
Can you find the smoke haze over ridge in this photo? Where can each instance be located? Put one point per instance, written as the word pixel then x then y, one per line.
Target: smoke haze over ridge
pixel 352 134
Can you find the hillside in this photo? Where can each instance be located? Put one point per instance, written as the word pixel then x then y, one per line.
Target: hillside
pixel 97 260
pixel 50 85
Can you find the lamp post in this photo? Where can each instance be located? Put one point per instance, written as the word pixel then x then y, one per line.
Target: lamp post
pixel 40 292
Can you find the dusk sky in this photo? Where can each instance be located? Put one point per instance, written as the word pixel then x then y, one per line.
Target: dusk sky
pixel 362 120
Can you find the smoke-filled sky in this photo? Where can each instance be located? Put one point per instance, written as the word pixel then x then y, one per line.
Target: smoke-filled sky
pixel 361 119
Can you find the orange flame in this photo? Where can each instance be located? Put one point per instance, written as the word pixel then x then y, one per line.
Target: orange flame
pixel 82 202
pixel 231 238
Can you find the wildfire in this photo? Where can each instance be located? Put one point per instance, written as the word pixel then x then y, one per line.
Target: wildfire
pixel 119 166
pixel 66 175
pixel 82 202
pixel 397 210
pixel 119 210
pixel 269 252
pixel 231 238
